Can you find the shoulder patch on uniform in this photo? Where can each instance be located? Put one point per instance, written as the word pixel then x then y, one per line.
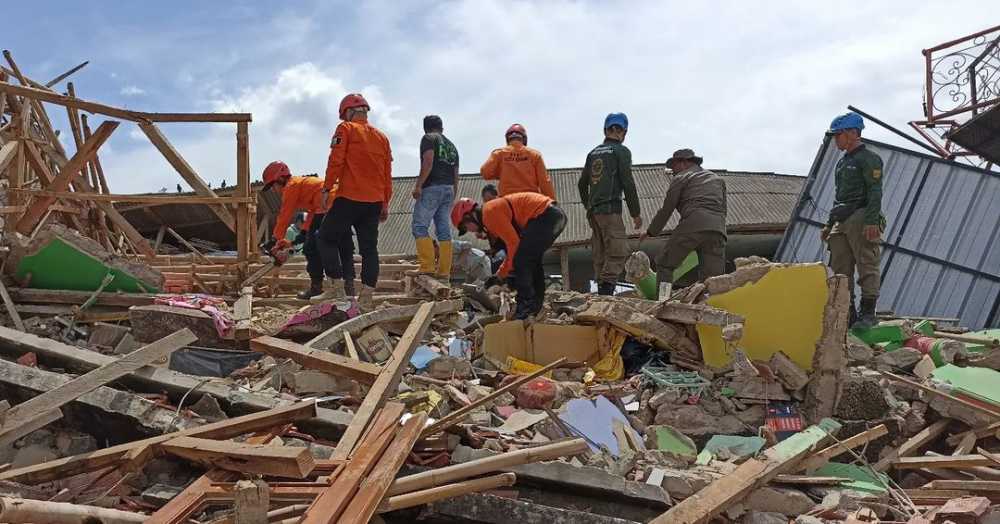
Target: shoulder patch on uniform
pixel 876 174
pixel 335 140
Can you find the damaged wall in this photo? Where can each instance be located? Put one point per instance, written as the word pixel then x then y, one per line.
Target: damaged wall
pixel 939 254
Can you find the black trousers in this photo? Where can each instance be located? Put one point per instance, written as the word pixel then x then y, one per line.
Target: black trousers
pixel 337 246
pixel 314 256
pixel 537 237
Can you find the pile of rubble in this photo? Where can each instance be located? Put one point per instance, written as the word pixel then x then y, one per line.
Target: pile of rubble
pixel 743 398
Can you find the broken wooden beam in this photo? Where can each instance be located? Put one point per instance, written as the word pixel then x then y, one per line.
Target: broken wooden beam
pixel 913 444
pixel 333 500
pixel 927 389
pixel 431 285
pixel 719 495
pixel 22 511
pixel 821 457
pixel 373 488
pixel 436 477
pixel 41 405
pixel 388 380
pixel 252 501
pixel 359 323
pixel 426 496
pixel 116 455
pixel 319 360
pixel 456 416
pixel 639 325
pixel 945 462
pixel 279 461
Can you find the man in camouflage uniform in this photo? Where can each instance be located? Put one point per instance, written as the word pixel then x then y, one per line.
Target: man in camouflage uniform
pixel 855 226
pixel 607 174
pixel 699 195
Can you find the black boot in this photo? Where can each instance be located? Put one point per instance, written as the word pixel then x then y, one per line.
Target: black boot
pixel 349 288
pixel 606 288
pixel 866 315
pixel 315 288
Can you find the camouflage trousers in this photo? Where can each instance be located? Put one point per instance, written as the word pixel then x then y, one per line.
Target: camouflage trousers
pixel 850 251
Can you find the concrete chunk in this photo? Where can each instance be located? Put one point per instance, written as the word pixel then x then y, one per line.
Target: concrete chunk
pixel 151 323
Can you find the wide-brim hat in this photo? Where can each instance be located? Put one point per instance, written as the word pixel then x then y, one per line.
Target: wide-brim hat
pixel 683 154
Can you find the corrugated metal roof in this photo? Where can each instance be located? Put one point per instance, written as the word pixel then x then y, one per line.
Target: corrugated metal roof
pixel 757 201
pixel 940 256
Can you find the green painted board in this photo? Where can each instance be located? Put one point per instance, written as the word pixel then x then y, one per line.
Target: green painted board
pixel 861 479
pixel 881 333
pixel 981 383
pixel 669 439
pixel 59 265
pixel 990 334
pixel 690 262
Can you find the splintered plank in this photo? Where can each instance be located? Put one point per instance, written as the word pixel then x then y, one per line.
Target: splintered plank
pixel 319 360
pixel 914 443
pixel 361 322
pixel 117 455
pixel 279 461
pixel 331 502
pixel 375 485
pixel 69 171
pixel 823 456
pixel 944 462
pixel 387 381
pixel 16 418
pixel 719 495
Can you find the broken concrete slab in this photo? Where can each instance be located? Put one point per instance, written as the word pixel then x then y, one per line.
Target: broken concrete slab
pixel 903 359
pixel 153 322
pixel 692 314
pixel 698 424
pixel 490 509
pixel 310 382
pixel 644 327
pixel 862 397
pixel 60 258
pixel 106 335
pixel 763 517
pixel 789 373
pixel 830 359
pixel 788 502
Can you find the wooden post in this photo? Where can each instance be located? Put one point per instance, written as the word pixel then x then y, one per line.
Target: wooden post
pixel 564 268
pixel 243 218
pixel 252 502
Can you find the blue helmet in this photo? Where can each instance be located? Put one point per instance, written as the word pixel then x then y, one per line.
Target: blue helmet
pixel 846 121
pixel 616 119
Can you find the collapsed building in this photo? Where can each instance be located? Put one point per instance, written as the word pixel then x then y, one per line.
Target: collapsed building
pixel 142 386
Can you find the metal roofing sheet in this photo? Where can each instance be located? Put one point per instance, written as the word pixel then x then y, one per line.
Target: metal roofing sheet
pixel 940 256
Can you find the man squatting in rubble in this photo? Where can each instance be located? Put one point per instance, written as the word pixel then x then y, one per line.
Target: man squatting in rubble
pixel 300 193
pixel 856 223
pixel 497 251
pixel 434 193
pixel 699 195
pixel 607 173
pixel 360 166
pixel 529 224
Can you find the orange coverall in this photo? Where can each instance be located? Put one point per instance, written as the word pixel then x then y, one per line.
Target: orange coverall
pixel 518 168
pixel 498 220
pixel 301 193
pixel 361 162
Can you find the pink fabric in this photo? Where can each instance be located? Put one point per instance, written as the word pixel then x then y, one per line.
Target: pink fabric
pixel 223 321
pixel 318 310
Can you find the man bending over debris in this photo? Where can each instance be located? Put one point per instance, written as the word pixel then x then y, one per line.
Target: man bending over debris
pixel 518 167
pixel 299 193
pixel 856 221
pixel 529 224
pixel 606 174
pixel 434 192
pixel 360 166
pixel 699 195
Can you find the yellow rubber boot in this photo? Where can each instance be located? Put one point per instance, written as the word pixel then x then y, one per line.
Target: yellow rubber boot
pixel 425 255
pixel 444 260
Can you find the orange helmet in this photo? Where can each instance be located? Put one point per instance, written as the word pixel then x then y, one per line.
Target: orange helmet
pixel 351 101
pixel 275 172
pixel 463 207
pixel 516 129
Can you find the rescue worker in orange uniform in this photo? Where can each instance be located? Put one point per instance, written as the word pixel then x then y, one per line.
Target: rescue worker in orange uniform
pixel 360 167
pixel 298 193
pixel 518 167
pixel 529 224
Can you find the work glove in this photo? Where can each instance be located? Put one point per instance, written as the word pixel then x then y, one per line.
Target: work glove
pixel 268 246
pixel 280 246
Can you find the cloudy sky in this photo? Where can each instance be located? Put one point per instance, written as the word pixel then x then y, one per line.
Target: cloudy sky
pixel 749 85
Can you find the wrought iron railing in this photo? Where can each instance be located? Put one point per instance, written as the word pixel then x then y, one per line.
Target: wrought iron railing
pixel 962 79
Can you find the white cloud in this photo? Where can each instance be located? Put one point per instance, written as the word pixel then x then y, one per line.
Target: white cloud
pixel 750 86
pixel 131 90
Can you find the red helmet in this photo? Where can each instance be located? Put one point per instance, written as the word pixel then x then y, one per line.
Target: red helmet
pixel 274 172
pixel 519 130
pixel 351 101
pixel 462 207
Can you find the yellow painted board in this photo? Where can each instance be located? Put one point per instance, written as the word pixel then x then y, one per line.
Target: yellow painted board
pixel 783 311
